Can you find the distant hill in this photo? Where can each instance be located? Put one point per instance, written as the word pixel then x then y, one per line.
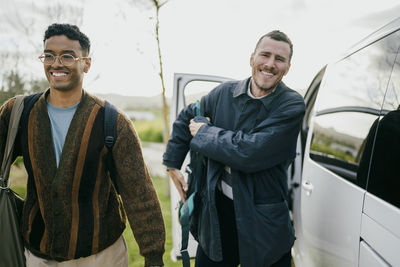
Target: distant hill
pixel 128 103
pixel 339 137
pixel 147 103
pixel 134 102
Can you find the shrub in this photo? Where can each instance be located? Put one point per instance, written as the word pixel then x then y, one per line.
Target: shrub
pixel 151 134
pixel 150 131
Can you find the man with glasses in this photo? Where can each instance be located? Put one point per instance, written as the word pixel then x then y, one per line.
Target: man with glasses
pixel 73 214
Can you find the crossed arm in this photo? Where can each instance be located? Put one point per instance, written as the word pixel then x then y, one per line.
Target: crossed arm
pixel 269 143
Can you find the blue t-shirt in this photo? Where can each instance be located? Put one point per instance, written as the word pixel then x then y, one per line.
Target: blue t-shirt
pixel 60 119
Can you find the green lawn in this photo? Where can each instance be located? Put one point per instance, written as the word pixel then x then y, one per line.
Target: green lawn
pixel 150 131
pixel 135 260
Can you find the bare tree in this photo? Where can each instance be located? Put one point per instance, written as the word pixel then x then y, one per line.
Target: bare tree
pixel 21 24
pixel 13 84
pixel 28 17
pixel 157 5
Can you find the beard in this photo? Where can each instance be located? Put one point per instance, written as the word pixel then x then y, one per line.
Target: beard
pixel 266 89
pixel 266 86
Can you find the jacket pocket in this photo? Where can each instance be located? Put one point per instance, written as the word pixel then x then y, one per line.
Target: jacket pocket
pixel 274 212
pixel 274 234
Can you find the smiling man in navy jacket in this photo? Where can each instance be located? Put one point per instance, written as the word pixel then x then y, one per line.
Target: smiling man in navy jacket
pixel 249 138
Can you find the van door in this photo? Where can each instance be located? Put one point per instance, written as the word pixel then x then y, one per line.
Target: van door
pixel 380 225
pixel 295 170
pixel 187 89
pixel 334 176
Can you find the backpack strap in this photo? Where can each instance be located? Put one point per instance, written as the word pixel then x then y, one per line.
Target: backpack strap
pixel 186 209
pixel 29 101
pixel 110 121
pixel 11 134
pixel 185 227
pixel 202 106
pixel 110 133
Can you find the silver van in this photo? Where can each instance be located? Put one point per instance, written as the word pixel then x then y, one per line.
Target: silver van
pixel 345 181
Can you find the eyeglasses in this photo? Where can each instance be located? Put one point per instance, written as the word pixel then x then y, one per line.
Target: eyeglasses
pixel 65 59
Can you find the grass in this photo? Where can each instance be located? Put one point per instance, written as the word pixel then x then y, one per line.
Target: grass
pixel 135 260
pixel 150 131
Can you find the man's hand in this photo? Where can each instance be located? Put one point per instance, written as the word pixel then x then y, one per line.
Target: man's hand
pixel 179 181
pixel 195 126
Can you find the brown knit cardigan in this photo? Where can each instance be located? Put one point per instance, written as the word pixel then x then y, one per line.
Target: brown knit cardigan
pixel 74 210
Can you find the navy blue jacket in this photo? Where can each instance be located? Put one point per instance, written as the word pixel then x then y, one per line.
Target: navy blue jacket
pixel 257 139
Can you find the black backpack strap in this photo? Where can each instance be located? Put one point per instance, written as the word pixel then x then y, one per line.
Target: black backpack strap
pixel 29 101
pixel 110 122
pixel 110 134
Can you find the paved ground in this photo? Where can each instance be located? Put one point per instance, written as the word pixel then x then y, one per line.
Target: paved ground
pixel 152 153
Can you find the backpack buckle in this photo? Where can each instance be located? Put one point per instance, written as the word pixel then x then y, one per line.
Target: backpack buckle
pixel 109 141
pixel 3 185
pixel 188 170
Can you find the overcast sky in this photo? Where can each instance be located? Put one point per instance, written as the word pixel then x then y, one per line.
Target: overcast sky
pixel 213 37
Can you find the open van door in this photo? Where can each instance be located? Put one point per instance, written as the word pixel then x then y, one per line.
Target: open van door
pixel 295 169
pixel 187 89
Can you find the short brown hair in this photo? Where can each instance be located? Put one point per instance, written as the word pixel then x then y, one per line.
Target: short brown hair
pixel 277 36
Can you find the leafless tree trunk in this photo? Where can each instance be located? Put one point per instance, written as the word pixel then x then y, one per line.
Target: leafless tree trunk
pixel 157 4
pixel 20 23
pixel 164 100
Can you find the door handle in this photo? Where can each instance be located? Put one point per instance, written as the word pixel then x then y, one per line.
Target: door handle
pixel 308 187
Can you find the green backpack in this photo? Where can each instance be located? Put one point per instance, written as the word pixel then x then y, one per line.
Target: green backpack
pixel 189 210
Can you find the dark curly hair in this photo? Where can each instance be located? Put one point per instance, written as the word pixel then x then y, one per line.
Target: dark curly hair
pixel 278 36
pixel 72 32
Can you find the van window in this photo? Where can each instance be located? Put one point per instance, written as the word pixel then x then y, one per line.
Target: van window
pixel 361 79
pixel 384 176
pixel 339 140
pixel 196 89
pixel 348 106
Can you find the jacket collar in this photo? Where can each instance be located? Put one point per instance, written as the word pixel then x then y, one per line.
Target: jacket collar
pixel 241 91
pixel 241 87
